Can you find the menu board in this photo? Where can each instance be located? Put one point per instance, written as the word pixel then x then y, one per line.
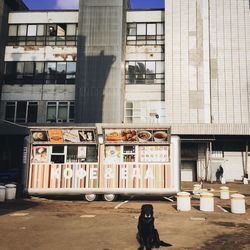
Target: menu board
pixel 113 154
pixel 60 136
pixel 137 135
pixel 39 154
pixel 86 135
pixel 40 136
pixel 55 135
pixel 154 154
pixel 71 135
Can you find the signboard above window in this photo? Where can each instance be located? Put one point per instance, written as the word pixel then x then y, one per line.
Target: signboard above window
pixel 123 136
pixel 64 136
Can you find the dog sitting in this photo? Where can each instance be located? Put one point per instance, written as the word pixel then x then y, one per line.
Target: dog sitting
pixel 147 235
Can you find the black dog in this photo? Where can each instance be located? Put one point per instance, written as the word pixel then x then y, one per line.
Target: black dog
pixel 147 235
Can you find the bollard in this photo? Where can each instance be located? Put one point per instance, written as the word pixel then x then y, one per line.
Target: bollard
pixel 223 180
pixel 196 188
pixel 2 193
pixel 207 202
pixel 224 193
pixel 238 205
pixel 10 193
pixel 183 201
pixel 245 181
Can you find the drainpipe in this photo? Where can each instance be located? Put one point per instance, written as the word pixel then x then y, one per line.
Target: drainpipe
pixel 246 162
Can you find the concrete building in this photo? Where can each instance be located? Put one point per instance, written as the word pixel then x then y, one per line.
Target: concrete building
pixel 186 66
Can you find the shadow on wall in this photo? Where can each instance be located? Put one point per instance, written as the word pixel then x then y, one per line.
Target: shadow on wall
pixel 91 81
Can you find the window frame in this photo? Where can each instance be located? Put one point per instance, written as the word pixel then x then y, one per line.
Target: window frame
pixel 11 76
pixel 57 104
pixel 145 39
pixel 29 104
pixel 42 40
pixel 144 77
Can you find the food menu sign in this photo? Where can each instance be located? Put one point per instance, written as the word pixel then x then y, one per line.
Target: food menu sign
pixel 137 135
pixel 60 136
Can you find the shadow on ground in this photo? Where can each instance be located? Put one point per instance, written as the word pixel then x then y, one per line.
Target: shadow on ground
pixel 239 238
pixel 11 206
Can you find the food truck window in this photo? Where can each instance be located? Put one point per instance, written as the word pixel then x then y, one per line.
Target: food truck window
pixel 58 155
pixel 82 153
pixel 92 153
pixel 58 149
pixel 57 158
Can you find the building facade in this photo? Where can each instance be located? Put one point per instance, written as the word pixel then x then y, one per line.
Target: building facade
pixel 186 66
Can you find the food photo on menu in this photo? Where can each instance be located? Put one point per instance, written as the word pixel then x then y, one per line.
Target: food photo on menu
pixel 160 135
pixel 131 135
pixel 71 135
pixel 113 154
pixel 55 136
pixel 144 135
pixel 39 154
pixel 86 135
pixel 39 136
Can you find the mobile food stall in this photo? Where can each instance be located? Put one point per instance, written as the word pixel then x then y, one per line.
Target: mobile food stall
pixel 111 162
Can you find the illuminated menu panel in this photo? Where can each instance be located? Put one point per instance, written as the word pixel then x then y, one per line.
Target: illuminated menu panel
pixel 63 136
pixel 137 135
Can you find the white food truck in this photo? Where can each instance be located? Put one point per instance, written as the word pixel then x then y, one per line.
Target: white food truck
pixel 101 160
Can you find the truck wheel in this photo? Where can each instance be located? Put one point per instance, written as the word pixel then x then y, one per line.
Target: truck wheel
pixel 109 197
pixel 91 197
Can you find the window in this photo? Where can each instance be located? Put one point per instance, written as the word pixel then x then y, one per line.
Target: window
pixel 145 33
pixel 21 112
pixel 12 30
pixel 60 112
pixel 43 34
pixel 31 30
pixel 145 112
pixel 10 111
pixel 40 72
pixel 144 72
pixel 22 30
pixel 58 154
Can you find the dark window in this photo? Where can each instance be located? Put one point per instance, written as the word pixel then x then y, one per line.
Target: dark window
pixel 145 72
pixel 40 72
pixel 57 158
pixel 51 30
pixel 58 149
pixel 10 111
pixel 72 112
pixel 21 112
pixel 32 112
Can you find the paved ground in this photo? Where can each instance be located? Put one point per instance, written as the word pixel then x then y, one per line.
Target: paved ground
pixel 57 223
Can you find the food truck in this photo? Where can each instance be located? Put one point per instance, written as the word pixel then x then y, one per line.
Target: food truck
pixel 105 161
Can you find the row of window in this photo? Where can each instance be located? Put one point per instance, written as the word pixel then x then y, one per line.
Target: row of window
pixel 137 72
pixel 63 111
pixel 145 33
pixel 43 34
pixel 145 72
pixel 62 154
pixel 40 72
pixel 26 112
pixel 66 34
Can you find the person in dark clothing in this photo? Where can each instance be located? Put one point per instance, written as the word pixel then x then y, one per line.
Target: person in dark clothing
pixel 219 173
